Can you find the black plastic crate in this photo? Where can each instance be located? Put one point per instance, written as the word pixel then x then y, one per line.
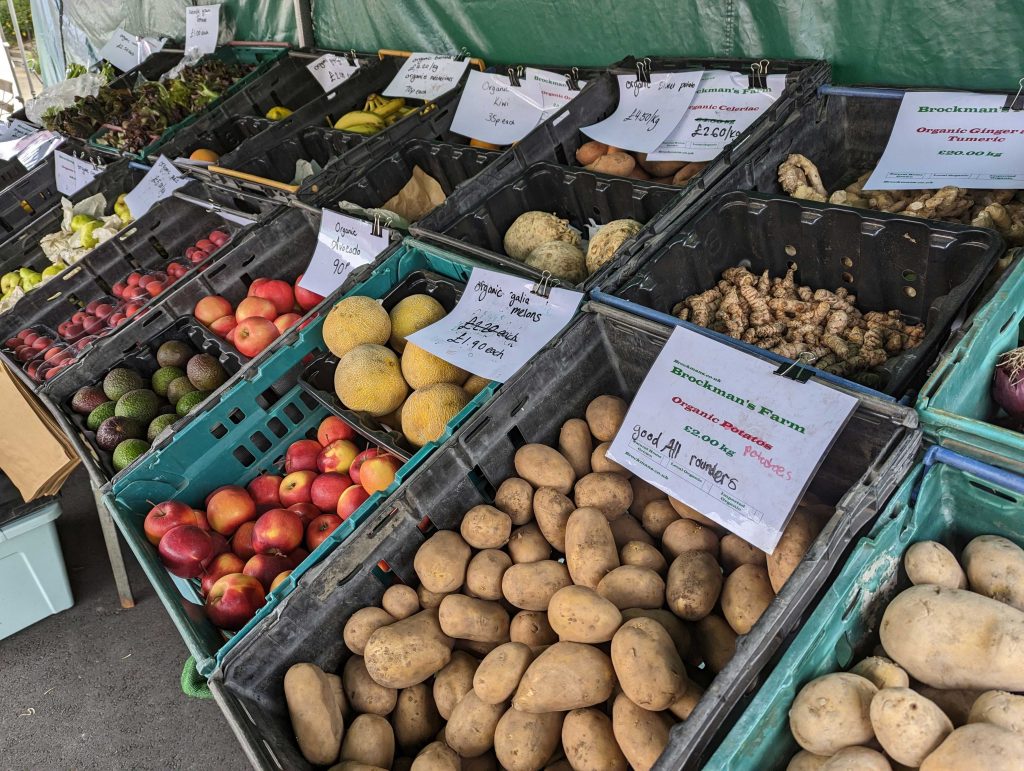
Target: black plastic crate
pixel 925 269
pixel 610 353
pixel 221 137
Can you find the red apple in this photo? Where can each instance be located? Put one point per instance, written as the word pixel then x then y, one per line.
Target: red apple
pixel 360 459
pixel 116 319
pixel 130 310
pixel 133 279
pixel 219 237
pixel 333 428
pixel 241 541
pixel 327 489
pixel 186 550
pixel 195 256
pixel 202 520
pixel 286 322
pixel 279 579
pixel 176 269
pixel 279 292
pixel 320 528
pixel 230 336
pixel 253 335
pixel 228 508
pixel 297 557
pixel 233 600
pixel 206 245
pixel 301 456
pixel 103 310
pixel 135 293
pixel 307 300
pixel 156 287
pixel 118 289
pixel 255 306
pixel 378 473
pixel 256 282
pixel 337 456
pixel 209 495
pixel 278 531
pixel 295 488
pixel 211 308
pixel 264 491
pixel 220 566
pixel 265 567
pixel 221 545
pixel 223 325
pixel 350 500
pixel 165 516
pixel 307 512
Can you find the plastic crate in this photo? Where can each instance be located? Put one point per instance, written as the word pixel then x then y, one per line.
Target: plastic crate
pixel 948 498
pixel 244 430
pixel 925 269
pixel 33 580
pixel 955 405
pixel 557 139
pixel 221 137
pixel 601 352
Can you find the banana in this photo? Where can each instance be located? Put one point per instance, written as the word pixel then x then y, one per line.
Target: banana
pixel 389 107
pixel 363 128
pixel 359 118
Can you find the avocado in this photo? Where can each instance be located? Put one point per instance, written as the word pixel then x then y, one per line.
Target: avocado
pixel 86 399
pixel 173 353
pixel 127 451
pixel 163 377
pixel 98 415
pixel 115 430
pixel 141 405
pixel 159 423
pixel 190 401
pixel 205 372
pixel 120 381
pixel 178 388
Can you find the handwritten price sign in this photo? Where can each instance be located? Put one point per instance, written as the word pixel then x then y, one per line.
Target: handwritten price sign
pixel 331 70
pixel 494 110
pixel 202 23
pixel 426 77
pixel 159 182
pixel 342 244
pixel 72 174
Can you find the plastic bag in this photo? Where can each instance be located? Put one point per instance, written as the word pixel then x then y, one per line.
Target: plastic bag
pixel 63 95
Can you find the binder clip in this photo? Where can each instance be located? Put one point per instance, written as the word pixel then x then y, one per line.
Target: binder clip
pixel 543 287
pixel 375 228
pixel 461 55
pixel 643 71
pixel 514 74
pixel 1016 102
pixel 759 75
pixel 793 370
pixel 572 80
pixel 351 56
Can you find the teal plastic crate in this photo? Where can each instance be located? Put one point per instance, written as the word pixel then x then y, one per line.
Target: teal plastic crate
pixel 244 431
pixel 949 498
pixel 955 404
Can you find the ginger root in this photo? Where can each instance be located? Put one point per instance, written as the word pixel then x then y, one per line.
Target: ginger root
pixel 800 178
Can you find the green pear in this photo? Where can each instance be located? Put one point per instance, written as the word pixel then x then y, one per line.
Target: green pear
pixel 121 209
pixel 54 269
pixel 79 221
pixel 9 282
pixel 88 239
pixel 29 278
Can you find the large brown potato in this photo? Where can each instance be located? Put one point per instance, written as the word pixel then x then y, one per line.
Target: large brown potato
pixel 579 614
pixel 470 729
pixel 589 742
pixel 746 594
pixel 467 618
pixel 693 585
pixel 498 675
pixel 551 510
pixel 483 576
pixel 605 415
pixel 527 544
pixel 647 664
pixel 629 586
pixel 523 741
pixel 543 466
pixel 363 692
pixel 370 740
pixel 832 712
pixel 415 719
pixel 362 624
pixel 485 527
pixel 409 651
pixel 928 562
pixel 440 563
pixel 576 445
pixel 565 676
pixel 590 549
pixel 453 682
pixel 315 712
pixel 515 497
pixel 530 585
pixel 606 491
pixel 642 735
pixel 907 725
pixel 995 568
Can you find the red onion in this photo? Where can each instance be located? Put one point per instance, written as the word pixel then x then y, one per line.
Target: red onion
pixel 1008 382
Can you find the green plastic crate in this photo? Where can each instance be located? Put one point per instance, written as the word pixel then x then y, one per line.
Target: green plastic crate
pixel 955 404
pixel 949 498
pixel 245 431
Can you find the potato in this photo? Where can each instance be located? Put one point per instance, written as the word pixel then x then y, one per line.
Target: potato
pixel 857 759
pixel 543 466
pixel 590 549
pixel 683 707
pixel 363 692
pixel 995 568
pixel 475 647
pixel 643 493
pixel 533 228
pixel 565 676
pixel 560 765
pixel 576 444
pixel 629 586
pixel 370 740
pixel 315 712
pixel 952 638
pixel 676 629
pixel 515 498
pixel 400 601
pixel 929 562
pixel 616 164
pixel 498 675
pixel 530 585
pixel 409 651
pixel 747 593
pixel 467 618
pixel 528 544
pixel 641 735
pixel 832 712
pixel 687 535
pixel 657 516
pixel 604 416
pixel 415 719
pixel 483 576
pixel 361 625
pixel 1000 708
pixel 429 600
pixel 956 703
pixel 734 551
pixel 485 527
pixel 800 532
pixel 524 741
pixel 716 641
pixel 606 491
pixel 643 555
pixel 453 682
pixel 531 628
pixel 647 664
pixel 589 742
pixel 589 152
pixel 470 729
pixel 607 241
pixel 693 585
pixel 882 672
pixel 579 614
pixel 806 761
pixel 686 173
pixel 599 461
pixel 907 725
pixel 437 756
pixel 688 512
pixel 440 563
pixel 659 168
pixel 485 762
pixel 561 260
pixel 977 746
pixel 334 682
pixel 626 529
pixel 551 510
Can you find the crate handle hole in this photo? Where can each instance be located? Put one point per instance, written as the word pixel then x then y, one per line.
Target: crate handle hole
pixel 847 277
pixel 293 413
pixel 909 276
pixel 426 525
pixel 515 436
pixel 790 250
pixel 909 291
pixel 243 456
pixel 218 431
pixel 236 416
pixel 847 262
pixel 993 491
pixel 482 484
pixel 260 441
pixel 382 572
pixel 308 400
pixel 277 428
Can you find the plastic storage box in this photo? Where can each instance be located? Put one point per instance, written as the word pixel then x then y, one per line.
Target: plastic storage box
pixel 33 581
pixel 601 352
pixel 948 498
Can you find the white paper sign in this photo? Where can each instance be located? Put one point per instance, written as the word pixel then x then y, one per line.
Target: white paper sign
pixel 426 77
pixel 159 182
pixel 723 108
pixel 330 70
pixel 948 138
pixel 16 129
pixel 555 90
pixel 647 112
pixel 127 51
pixel 498 324
pixel 719 430
pixel 343 243
pixel 72 174
pixel 202 23
pixel 493 110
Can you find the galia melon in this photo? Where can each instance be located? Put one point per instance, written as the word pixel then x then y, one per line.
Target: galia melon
pixel 412 314
pixel 369 379
pixel 421 368
pixel 427 411
pixel 355 321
